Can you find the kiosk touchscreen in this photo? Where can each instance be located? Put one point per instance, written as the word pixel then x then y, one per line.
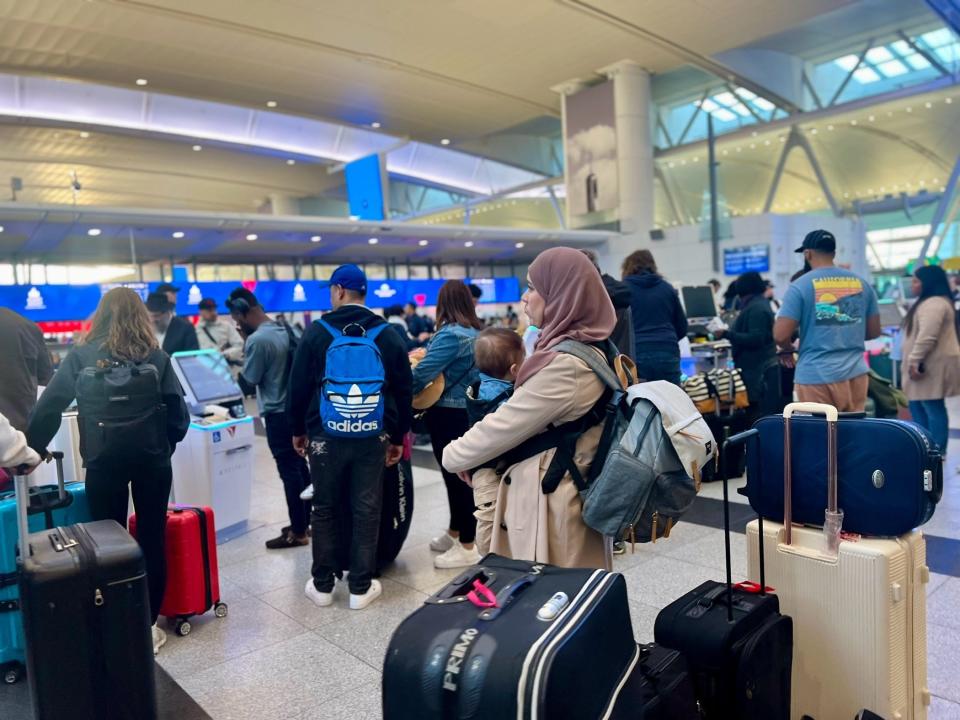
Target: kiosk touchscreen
pixel 213 465
pixel 206 381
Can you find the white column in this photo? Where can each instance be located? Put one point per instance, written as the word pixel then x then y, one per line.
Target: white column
pixel 283 204
pixel 631 90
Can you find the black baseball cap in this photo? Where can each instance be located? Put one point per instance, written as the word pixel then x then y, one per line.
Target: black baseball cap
pixel 157 301
pixel 819 240
pixel 208 304
pixel 167 287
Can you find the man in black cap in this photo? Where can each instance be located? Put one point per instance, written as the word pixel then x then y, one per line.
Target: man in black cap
pixel 170 291
pixel 835 311
pixel 175 334
pixel 216 333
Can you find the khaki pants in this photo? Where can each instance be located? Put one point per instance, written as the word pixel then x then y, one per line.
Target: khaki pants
pixel 486 485
pixel 847 396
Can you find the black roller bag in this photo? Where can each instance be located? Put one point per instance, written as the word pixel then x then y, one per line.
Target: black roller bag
pixel 533 655
pixel 659 688
pixel 86 616
pixel 737 644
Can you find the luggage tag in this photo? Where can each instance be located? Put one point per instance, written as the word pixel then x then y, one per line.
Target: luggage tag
pixel 482 596
pixel 748 586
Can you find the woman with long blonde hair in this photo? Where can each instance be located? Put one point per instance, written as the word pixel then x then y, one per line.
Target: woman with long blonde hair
pixel 122 453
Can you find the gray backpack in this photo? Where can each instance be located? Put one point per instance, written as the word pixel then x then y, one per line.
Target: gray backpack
pixel 637 487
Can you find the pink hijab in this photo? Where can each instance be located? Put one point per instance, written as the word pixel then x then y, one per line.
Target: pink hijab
pixel 577 305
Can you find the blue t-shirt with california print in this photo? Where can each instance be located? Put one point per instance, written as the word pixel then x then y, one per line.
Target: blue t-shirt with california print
pixel 831 306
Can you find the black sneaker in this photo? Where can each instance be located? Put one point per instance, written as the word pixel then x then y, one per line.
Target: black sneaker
pixel 287 540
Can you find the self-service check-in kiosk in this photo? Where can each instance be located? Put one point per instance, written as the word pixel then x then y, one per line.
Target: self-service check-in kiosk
pixel 213 465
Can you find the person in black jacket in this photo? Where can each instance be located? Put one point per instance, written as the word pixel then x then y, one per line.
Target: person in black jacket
pixel 621 296
pixel 754 350
pixel 121 332
pixel 175 334
pixel 659 322
pixel 346 466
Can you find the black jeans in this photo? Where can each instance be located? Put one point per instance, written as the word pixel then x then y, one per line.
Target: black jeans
pixel 292 468
pixel 107 495
pixel 445 426
pixel 343 467
pixel 657 361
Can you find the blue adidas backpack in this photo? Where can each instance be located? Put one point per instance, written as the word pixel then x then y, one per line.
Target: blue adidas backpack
pixel 351 397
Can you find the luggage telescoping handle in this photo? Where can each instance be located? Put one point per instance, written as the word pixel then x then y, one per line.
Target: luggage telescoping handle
pixel 739 439
pixel 833 516
pixel 22 499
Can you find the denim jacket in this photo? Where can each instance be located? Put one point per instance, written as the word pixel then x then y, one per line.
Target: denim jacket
pixel 450 352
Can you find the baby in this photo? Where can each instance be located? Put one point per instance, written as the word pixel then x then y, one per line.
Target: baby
pixel 499 353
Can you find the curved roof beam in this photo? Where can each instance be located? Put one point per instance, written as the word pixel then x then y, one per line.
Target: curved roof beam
pixel 108 107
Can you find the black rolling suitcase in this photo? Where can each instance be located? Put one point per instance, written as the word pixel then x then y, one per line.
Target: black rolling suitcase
pixel 738 645
pixel 659 688
pixel 558 646
pixel 86 617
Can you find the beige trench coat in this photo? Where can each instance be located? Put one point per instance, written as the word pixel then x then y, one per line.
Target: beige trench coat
pixel 538 527
pixel 932 341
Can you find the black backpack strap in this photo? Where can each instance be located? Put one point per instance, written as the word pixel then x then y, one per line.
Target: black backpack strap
pixel 206 331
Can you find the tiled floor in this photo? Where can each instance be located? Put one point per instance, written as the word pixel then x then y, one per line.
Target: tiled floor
pixel 277 655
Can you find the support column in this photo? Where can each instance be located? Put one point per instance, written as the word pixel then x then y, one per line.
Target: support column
pixel 631 92
pixel 284 204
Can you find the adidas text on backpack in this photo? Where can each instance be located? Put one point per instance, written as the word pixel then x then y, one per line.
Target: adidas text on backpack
pixel 351 397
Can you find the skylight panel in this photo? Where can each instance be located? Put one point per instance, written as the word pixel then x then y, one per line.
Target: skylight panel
pixel 724 115
pixel 879 55
pixel 847 62
pixel 763 104
pixel 917 61
pixel 937 38
pixel 725 98
pixel 893 68
pixel 865 76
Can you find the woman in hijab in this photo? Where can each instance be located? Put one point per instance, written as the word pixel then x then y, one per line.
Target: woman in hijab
pixel 931 352
pixel 754 350
pixel 567 300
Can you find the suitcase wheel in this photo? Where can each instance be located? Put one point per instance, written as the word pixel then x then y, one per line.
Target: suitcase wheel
pixel 12 675
pixel 183 627
pixel 220 610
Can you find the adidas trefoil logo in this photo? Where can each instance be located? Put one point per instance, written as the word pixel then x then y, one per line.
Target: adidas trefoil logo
pixel 355 405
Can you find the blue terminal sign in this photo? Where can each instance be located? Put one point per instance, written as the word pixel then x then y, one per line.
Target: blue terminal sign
pixel 77 302
pixel 744 259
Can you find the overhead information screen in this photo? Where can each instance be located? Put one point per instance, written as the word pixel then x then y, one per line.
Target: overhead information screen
pixel 206 376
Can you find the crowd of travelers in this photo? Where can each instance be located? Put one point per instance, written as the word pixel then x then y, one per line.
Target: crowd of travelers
pixel 501 386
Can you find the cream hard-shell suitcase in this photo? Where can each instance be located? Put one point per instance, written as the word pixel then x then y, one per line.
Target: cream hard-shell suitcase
pixel 858 606
pixel 860 621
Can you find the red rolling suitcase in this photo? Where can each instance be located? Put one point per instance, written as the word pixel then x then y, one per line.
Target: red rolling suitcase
pixel 193 579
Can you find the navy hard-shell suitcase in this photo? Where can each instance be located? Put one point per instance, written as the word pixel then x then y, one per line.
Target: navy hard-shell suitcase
pixel 535 655
pixel 890 473
pixel 50 506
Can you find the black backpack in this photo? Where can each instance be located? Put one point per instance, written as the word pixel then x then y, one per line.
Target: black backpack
pixel 121 413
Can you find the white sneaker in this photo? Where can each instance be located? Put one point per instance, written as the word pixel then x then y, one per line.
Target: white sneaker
pixel 442 542
pixel 456 557
pixel 320 599
pixel 307 493
pixel 159 638
pixel 359 602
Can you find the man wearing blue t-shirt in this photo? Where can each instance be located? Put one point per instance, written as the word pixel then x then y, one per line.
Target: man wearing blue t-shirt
pixel 835 311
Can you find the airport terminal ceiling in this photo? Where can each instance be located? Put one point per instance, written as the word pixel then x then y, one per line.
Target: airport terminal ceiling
pixel 461 102
pixel 452 70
